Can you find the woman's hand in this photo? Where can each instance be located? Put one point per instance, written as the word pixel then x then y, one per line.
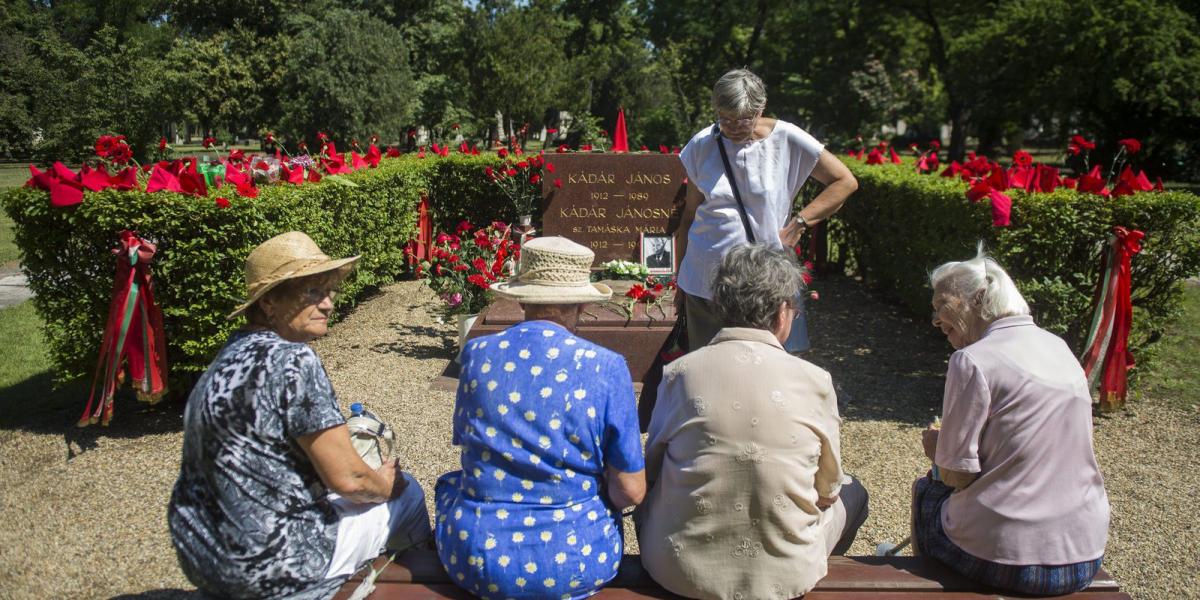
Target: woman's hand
pixel 790 234
pixel 929 439
pixel 824 503
pixel 342 470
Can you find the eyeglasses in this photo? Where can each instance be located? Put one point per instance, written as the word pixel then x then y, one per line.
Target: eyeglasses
pixel 737 123
pixel 316 295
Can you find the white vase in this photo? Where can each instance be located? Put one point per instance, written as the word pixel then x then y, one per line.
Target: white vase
pixel 465 323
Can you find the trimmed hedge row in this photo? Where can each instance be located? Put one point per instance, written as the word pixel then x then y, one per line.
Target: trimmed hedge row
pixel 900 225
pixel 198 270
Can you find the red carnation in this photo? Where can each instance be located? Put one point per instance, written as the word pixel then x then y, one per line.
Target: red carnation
pixel 557 183
pixel 935 144
pixel 222 203
pixel 104 145
pixel 1022 158
pixel 502 153
pixel 1130 145
pixel 393 152
pixel 535 178
pixel 162 144
pixel 120 153
pixel 511 172
pixel 209 142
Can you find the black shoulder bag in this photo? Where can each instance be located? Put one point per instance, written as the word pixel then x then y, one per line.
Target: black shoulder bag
pixel 737 195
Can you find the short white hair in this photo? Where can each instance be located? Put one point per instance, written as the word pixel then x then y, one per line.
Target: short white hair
pixel 739 92
pixel 980 276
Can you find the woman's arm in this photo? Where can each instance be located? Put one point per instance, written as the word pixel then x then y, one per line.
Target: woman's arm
pixel 839 184
pixel 955 479
pixel 625 489
pixel 343 470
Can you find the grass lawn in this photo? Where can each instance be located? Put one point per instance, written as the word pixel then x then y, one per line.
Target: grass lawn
pixel 26 376
pixel 1174 375
pixel 11 175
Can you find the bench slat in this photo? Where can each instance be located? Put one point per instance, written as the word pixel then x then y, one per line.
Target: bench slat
pixel 449 591
pixel 900 573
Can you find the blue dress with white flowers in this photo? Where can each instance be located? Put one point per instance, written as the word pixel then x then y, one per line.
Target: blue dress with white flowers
pixel 539 415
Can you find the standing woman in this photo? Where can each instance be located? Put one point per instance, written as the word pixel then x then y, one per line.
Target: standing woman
pixel 769 161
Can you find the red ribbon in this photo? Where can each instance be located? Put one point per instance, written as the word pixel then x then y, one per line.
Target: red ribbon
pixel 134 333
pixel 1107 359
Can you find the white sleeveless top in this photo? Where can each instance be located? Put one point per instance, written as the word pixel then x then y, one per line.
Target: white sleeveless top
pixel 769 174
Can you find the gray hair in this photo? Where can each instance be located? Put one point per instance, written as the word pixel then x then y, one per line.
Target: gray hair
pixel 752 281
pixel 981 276
pixel 739 92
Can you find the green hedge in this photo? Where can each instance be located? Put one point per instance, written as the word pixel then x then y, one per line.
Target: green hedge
pixel 198 269
pixel 900 225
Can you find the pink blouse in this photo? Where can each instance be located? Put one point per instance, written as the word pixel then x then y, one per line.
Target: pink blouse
pixel 1017 411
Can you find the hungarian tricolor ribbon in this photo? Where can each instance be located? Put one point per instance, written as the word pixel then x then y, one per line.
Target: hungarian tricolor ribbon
pixel 133 334
pixel 1107 359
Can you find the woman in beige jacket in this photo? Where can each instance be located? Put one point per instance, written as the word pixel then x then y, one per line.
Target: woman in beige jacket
pixel 747 497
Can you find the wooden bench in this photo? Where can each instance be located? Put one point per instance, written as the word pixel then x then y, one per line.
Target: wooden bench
pixel 417 574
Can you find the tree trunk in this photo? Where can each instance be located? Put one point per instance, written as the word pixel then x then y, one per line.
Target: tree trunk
pixel 959 116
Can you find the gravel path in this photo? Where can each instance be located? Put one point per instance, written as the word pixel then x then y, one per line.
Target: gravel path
pixel 83 512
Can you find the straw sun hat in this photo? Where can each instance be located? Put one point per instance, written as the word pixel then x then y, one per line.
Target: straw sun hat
pixel 554 270
pixel 286 256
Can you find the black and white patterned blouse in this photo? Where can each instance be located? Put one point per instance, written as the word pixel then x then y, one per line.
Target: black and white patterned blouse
pixel 248 516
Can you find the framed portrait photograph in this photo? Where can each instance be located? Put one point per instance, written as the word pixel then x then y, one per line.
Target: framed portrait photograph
pixel 658 253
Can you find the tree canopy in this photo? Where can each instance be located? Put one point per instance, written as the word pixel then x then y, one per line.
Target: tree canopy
pixel 1000 74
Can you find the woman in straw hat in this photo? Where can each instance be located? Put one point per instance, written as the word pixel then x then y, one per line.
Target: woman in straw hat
pixel 265 443
pixel 550 448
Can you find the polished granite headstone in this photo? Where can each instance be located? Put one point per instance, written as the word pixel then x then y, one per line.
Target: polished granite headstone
pixel 608 200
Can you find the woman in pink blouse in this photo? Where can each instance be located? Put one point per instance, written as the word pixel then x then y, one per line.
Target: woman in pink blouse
pixel 1019 501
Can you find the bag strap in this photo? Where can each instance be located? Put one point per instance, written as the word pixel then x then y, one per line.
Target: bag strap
pixel 737 195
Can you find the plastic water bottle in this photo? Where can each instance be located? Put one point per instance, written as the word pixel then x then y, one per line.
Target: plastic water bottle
pixel 356 409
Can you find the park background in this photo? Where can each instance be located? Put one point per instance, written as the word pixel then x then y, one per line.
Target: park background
pixel 83 510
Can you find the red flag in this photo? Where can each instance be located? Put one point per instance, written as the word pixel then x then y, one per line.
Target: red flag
pixel 620 140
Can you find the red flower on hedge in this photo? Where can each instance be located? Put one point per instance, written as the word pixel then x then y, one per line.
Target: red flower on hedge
pixel 535 178
pixel 120 154
pixel 935 144
pixel 162 144
pixel 490 173
pixel 222 203
pixel 1130 145
pixel 511 172
pixel 270 138
pixel 321 135
pixel 502 153
pixel 236 155
pixel 105 144
pixel 1078 144
pixel 393 152
pixel 1022 158
pixel 209 142
pixel 247 190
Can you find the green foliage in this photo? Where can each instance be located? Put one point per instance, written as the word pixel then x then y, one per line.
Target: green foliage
pixel 212 83
pixel 348 74
pixel 901 225
pixel 202 248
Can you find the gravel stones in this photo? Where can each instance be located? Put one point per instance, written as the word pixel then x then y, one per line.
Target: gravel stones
pixel 83 512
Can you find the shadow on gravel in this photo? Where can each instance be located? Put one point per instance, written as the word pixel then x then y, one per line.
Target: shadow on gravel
pixel 418 341
pixel 36 405
pixel 885 364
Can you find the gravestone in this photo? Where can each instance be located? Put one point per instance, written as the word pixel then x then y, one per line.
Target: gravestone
pixel 608 200
pixel 605 203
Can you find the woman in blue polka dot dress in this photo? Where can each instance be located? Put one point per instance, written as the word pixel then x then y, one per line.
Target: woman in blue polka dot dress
pixel 550 447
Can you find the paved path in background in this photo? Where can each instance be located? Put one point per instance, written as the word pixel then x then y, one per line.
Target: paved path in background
pixel 14 288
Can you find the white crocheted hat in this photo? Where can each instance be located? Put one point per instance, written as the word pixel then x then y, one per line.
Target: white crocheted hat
pixel 554 270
